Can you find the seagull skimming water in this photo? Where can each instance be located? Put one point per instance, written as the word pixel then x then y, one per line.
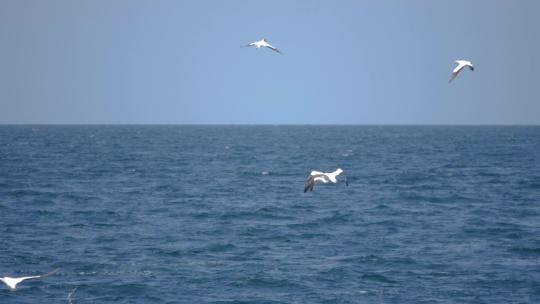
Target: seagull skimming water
pixel 12 282
pixel 263 43
pixel 316 176
pixel 460 65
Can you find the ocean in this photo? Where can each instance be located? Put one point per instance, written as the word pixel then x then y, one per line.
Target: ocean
pixel 217 214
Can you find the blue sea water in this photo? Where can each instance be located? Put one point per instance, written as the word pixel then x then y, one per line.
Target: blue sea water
pixel 217 214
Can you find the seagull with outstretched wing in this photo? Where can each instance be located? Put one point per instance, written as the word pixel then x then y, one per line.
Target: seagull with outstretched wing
pixel 13 282
pixel 316 176
pixel 263 43
pixel 460 65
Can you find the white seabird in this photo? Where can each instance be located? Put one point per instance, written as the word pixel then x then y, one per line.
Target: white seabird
pixel 13 282
pixel 263 43
pixel 460 65
pixel 316 176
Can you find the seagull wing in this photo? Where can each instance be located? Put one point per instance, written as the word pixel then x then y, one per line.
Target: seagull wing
pixel 461 65
pixel 310 182
pixel 274 49
pixel 453 76
pixel 18 280
pixel 27 278
pixel 49 273
pixel 38 276
pixel 456 70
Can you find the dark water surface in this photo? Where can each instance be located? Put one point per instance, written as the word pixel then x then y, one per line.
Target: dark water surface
pixel 216 214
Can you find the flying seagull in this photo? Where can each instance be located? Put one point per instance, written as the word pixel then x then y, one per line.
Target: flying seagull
pixel 316 176
pixel 460 65
pixel 12 282
pixel 261 43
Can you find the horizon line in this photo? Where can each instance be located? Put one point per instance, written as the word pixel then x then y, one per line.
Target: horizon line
pixel 277 124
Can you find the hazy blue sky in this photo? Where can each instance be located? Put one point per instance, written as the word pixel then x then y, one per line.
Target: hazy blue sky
pixel 345 62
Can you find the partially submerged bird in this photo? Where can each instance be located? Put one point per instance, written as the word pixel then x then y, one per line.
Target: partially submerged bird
pixel 316 176
pixel 263 43
pixel 460 65
pixel 12 282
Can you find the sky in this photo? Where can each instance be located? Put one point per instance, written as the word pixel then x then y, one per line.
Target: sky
pixel 344 62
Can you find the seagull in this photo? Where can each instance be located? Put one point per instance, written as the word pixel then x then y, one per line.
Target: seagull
pixel 12 282
pixel 261 43
pixel 316 176
pixel 460 65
